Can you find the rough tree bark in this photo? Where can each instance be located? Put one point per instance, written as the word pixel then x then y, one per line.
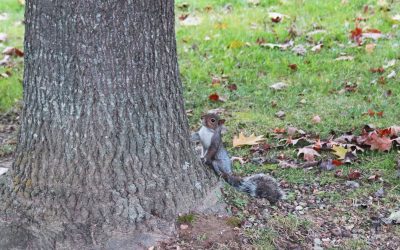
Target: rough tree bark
pixel 104 143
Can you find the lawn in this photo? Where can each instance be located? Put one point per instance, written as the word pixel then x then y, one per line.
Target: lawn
pixel 238 50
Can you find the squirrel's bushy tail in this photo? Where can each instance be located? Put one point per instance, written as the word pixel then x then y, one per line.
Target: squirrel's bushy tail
pixel 258 185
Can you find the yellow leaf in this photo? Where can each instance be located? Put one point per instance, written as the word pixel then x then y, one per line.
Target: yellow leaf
pixel 221 26
pixel 236 44
pixel 339 151
pixel 22 2
pixel 243 140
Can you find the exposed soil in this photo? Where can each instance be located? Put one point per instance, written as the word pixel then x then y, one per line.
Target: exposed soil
pixel 9 125
pixel 207 232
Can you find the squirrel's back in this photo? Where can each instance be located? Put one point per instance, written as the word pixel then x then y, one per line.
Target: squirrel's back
pixel 259 186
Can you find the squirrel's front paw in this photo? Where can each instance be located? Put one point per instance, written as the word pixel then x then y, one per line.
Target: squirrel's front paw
pixel 206 161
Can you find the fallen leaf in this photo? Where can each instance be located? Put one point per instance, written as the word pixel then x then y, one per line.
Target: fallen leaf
pixel 218 111
pixel 376 31
pixel 279 130
pixel 316 119
pixel 287 164
pixel 293 67
pixel 389 64
pixel 276 19
pixel 337 163
pixel 370 112
pixel 191 21
pixel 276 15
pixel 377 70
pixel 354 175
pixel 391 75
pixel 235 44
pixel 3 37
pixel 3 16
pixel 394 130
pixel 253 2
pixel 314 32
pixel 308 153
pixel 352 184
pixel 339 173
pixel 260 41
pixel 374 177
pixel 3 171
pixel 380 143
pixel 339 151
pixel 293 142
pixel 13 52
pixel 213 97
pixel 299 50
pixel 317 48
pixel 215 81
pixel 232 87
pixel 208 8
pixel 279 86
pixel 345 58
pixel 344 139
pixel 221 26
pixel 6 60
pixel 239 159
pixel 283 46
pixel 370 48
pixel 372 35
pixel 183 17
pixel 280 114
pixel 356 35
pixel 396 18
pixel 394 217
pixel 242 140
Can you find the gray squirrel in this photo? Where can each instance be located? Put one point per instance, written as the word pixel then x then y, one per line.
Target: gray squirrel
pixel 215 155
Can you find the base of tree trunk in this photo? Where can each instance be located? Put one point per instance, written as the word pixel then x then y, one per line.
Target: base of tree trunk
pixel 213 203
pixel 16 232
pixel 14 235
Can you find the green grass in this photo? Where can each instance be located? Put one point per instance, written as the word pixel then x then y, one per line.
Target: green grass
pixel 186 218
pixel 11 87
pixel 254 68
pixel 318 80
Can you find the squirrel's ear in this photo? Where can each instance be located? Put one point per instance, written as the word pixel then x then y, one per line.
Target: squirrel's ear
pixel 221 121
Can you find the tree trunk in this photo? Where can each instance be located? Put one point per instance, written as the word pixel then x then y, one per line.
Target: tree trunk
pixel 104 142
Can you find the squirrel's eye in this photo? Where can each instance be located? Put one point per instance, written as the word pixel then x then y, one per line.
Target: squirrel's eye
pixel 212 120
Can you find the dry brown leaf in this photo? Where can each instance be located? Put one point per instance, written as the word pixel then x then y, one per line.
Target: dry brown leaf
pixel 190 21
pixel 345 58
pixel 317 48
pixel 369 48
pixel 3 37
pixel 380 143
pixel 278 86
pixel 308 153
pixel 242 140
pixel 276 15
pixel 394 130
pixel 316 119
